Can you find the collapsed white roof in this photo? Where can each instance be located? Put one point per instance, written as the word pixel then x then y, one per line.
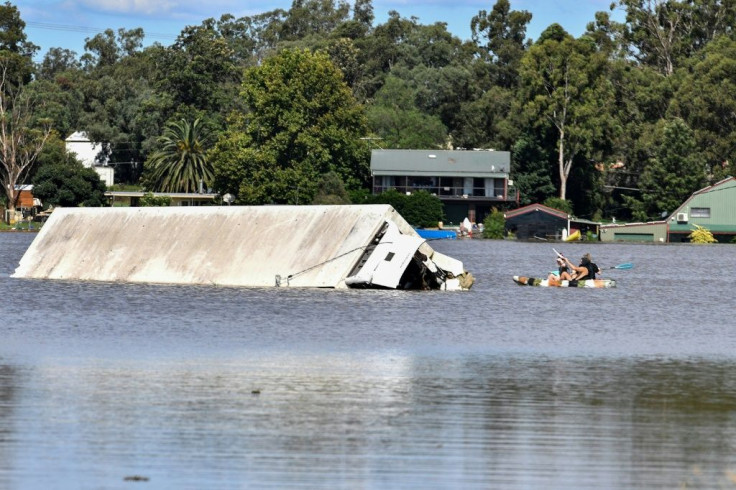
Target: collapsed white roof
pixel 255 246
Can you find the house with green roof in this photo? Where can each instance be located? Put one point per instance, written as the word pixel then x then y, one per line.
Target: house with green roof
pixel 470 183
pixel 713 207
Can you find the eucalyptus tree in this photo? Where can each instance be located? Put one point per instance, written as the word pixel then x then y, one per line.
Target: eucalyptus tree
pixel 702 100
pixel 22 135
pixel 118 105
pixel 57 61
pixel 181 163
pixel 200 70
pixel 313 17
pixel 673 172
pixel 395 118
pixel 108 47
pixel 382 51
pixel 500 36
pixel 565 88
pixel 300 121
pixel 483 121
pixel 16 51
pixel 531 170
pixel 664 33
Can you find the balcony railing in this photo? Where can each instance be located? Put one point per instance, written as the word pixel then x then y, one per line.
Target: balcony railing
pixel 454 192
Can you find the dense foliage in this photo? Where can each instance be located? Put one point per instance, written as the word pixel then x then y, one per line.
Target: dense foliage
pixel 626 120
pixel 301 122
pixel 180 164
pixel 494 226
pixel 69 184
pixel 420 209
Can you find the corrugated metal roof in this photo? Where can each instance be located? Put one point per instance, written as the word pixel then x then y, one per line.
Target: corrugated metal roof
pixel 536 207
pixel 457 163
pixel 718 197
pixel 253 246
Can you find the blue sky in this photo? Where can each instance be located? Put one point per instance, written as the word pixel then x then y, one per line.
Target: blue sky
pixel 66 23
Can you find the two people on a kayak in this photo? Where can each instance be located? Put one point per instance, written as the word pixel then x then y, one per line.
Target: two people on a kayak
pixel 569 272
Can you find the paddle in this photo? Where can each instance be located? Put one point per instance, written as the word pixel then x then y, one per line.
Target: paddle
pixel 627 265
pixel 624 266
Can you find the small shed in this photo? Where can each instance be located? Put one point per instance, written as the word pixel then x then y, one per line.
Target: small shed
pixel 654 231
pixel 540 221
pixel 26 206
pixel 711 207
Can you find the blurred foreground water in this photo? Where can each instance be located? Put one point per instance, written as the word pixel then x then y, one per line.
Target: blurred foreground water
pixel 499 387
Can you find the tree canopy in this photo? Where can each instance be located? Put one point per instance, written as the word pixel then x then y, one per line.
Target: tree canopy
pixel 302 122
pixel 292 95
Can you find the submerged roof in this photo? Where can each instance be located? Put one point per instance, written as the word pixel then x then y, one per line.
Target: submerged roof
pixel 306 246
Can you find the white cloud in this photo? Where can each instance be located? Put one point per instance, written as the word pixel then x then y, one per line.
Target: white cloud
pixel 134 7
pixel 177 8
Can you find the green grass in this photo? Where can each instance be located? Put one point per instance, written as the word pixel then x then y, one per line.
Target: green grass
pixel 20 226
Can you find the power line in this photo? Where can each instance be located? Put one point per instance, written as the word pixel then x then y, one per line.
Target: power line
pixel 92 30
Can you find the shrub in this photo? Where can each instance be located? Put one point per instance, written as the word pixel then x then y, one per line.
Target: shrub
pixel 149 199
pixel 701 235
pixel 560 204
pixel 494 225
pixel 420 209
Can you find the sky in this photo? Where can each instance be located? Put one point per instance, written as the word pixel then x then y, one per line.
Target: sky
pixel 67 23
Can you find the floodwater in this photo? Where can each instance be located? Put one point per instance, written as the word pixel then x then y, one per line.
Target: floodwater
pixel 118 386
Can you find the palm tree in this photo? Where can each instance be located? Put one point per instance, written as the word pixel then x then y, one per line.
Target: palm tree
pixel 181 164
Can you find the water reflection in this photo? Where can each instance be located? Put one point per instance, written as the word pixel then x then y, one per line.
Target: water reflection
pixel 388 421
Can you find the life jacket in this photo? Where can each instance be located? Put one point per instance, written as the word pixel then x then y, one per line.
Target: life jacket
pixel 592 268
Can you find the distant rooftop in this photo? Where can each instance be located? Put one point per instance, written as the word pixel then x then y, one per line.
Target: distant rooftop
pixel 440 163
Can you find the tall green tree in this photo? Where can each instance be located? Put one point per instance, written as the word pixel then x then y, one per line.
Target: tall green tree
pixel 302 121
pixel 313 17
pixel 700 101
pixel 22 135
pixel 664 33
pixel 396 119
pixel 501 38
pixel 57 61
pixel 531 170
pixel 565 88
pixel 107 48
pixel 674 171
pixel 200 70
pixel 181 164
pixel 16 51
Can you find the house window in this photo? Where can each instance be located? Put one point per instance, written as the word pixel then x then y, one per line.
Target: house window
pixel 700 212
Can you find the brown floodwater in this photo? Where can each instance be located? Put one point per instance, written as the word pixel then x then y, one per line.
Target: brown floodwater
pixel 119 385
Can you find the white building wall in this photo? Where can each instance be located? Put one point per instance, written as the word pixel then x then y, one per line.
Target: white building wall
pixel 86 152
pixel 83 148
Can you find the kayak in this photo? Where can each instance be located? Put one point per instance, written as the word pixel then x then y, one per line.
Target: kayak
pixel 574 237
pixel 589 283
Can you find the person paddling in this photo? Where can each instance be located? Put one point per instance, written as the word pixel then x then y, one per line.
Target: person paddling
pixel 563 272
pixel 586 270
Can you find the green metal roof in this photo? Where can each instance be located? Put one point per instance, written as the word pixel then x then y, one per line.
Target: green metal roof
pixel 718 198
pixel 441 163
